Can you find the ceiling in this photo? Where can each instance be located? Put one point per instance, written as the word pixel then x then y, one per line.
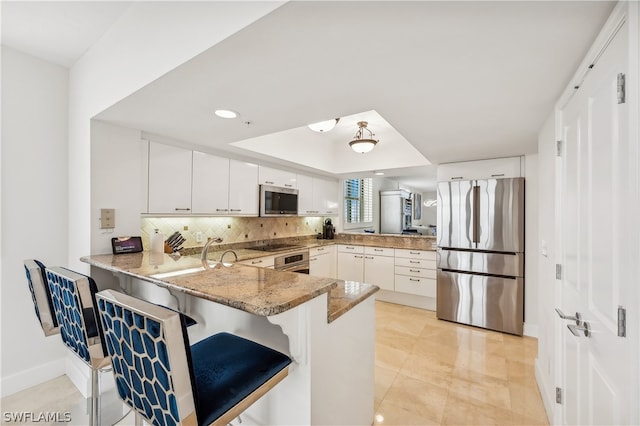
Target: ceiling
pixel 447 81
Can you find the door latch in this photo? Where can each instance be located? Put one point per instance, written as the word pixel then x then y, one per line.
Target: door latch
pixel 576 329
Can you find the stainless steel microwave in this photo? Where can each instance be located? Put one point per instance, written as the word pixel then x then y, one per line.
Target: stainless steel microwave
pixel 278 201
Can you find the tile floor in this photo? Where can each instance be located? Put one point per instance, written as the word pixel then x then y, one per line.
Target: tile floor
pixel 436 372
pixel 427 372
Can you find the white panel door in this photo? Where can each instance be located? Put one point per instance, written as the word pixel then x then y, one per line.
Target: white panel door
pixel 599 249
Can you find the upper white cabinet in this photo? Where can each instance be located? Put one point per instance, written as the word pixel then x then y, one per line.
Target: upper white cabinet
pixel 269 176
pixel 210 189
pixel 317 196
pixel 482 169
pixel 169 179
pixel 243 188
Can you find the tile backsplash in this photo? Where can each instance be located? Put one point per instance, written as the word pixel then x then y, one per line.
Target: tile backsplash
pixel 230 229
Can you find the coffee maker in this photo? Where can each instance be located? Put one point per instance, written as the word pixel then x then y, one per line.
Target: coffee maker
pixel 328 230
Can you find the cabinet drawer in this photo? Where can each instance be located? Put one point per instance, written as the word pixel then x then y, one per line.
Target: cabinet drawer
pixel 378 251
pixel 345 248
pixel 415 272
pixel 416 254
pixel 262 262
pixel 418 286
pixel 317 251
pixel 416 263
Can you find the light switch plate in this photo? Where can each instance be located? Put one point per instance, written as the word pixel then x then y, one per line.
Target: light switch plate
pixel 107 218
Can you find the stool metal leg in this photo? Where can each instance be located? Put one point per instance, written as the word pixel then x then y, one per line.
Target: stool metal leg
pixel 95 392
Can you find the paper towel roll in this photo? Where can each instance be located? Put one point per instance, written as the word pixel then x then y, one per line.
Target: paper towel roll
pixel 157 242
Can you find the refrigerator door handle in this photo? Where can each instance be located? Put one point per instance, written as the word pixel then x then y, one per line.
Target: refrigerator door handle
pixel 475 215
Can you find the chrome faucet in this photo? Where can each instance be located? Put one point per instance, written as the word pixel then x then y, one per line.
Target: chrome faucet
pixel 228 251
pixel 205 250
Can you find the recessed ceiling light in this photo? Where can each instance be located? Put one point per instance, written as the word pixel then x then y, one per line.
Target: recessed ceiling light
pixel 378 173
pixel 323 126
pixel 226 113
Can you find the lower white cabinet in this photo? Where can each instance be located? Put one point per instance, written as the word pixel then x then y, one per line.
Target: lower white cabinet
pixel 350 262
pixel 415 272
pixel 379 267
pixel 322 261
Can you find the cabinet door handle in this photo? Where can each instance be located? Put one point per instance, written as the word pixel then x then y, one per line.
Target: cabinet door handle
pixel 269 182
pixel 320 248
pixel 414 252
pixel 457 177
pixel 222 210
pixel 414 279
pixel 313 259
pixel 498 175
pixel 288 185
pixel 368 257
pixel 255 262
pixel 179 209
pixel 236 210
pixel 357 257
pixel 414 270
pixel 350 248
pixel 414 261
pixel 375 249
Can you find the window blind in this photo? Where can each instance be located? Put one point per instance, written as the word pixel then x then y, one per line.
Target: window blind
pixel 358 200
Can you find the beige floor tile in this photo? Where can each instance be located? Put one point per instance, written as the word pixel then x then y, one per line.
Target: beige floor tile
pixel 430 370
pixel 422 398
pixel 383 380
pixel 526 401
pixel 465 412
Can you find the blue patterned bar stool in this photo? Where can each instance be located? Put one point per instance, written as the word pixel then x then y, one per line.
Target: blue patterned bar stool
pixel 73 297
pixel 167 381
pixel 41 296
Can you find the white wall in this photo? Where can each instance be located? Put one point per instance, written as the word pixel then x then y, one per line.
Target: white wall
pixel 545 242
pixel 34 210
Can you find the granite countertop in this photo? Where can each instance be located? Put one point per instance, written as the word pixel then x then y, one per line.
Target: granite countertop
pixel 260 291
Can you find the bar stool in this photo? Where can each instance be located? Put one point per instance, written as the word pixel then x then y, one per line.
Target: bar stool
pixel 168 381
pixel 41 296
pixel 73 298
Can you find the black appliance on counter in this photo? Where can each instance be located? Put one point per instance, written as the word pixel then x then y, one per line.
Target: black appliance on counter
pixel 328 230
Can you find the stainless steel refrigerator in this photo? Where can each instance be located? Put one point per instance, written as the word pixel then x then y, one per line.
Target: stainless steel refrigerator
pixel 395 211
pixel 480 257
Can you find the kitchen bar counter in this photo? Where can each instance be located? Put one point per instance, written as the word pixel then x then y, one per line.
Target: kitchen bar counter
pixel 259 291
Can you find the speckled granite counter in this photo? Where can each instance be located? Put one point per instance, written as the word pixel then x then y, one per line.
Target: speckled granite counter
pixel 259 291
pixel 417 242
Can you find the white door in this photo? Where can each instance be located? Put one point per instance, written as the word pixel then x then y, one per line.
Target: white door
pixel 599 249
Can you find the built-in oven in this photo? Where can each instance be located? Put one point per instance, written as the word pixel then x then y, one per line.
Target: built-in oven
pixel 297 261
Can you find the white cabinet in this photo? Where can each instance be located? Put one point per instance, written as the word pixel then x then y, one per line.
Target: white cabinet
pixel 350 262
pixel 210 189
pixel 169 179
pixel 243 188
pixel 482 169
pixel 317 196
pixel 379 267
pixel 261 262
pixel 269 176
pixel 323 261
pixel 415 272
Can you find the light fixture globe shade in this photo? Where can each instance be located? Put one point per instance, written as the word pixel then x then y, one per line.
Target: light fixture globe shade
pixel 323 126
pixel 362 146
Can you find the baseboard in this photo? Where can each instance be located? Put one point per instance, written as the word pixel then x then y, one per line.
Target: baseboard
pixel 530 330
pixel 547 392
pixel 414 301
pixel 79 373
pixel 32 376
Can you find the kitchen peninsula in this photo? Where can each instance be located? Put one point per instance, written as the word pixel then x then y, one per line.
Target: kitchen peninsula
pixel 327 326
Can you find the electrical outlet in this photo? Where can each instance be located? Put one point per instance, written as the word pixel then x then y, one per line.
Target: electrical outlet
pixel 198 237
pixel 107 218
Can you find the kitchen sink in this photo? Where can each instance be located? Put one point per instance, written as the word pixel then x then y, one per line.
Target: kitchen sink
pixel 212 265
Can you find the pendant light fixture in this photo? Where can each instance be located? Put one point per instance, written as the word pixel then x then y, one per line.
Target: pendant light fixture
pixel 360 143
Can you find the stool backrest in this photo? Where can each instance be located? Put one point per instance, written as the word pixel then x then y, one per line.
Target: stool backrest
pixel 73 297
pixel 41 296
pixel 151 364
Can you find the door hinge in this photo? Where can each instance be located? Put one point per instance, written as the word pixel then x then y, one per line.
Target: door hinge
pixel 622 322
pixel 558 395
pixel 621 88
pixel 558 148
pixel 558 271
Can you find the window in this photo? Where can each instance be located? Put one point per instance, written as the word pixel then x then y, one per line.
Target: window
pixel 358 201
